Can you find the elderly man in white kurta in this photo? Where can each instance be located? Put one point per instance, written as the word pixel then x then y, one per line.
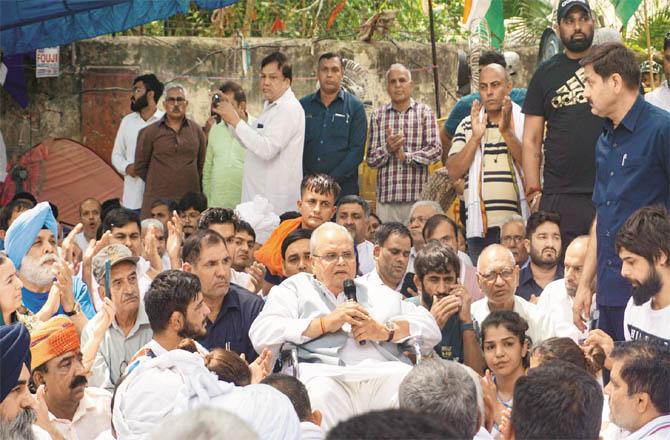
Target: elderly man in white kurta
pixel 274 142
pixel 343 375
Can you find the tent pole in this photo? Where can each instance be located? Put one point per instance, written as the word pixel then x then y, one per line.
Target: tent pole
pixel 434 52
pixel 649 48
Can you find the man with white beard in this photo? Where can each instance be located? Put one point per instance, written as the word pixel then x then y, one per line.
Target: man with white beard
pixel 48 281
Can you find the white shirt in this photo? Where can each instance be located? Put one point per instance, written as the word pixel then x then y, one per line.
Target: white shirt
pixel 366 261
pixel 310 431
pixel 540 326
pixel 81 241
pixel 660 96
pixel 40 434
pixel 273 164
pixel 374 279
pixel 93 416
pixel 3 159
pixel 643 322
pixel 556 303
pixel 656 429
pixel 123 155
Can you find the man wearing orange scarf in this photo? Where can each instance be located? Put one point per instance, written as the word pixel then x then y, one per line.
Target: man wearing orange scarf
pixel 77 411
pixel 318 194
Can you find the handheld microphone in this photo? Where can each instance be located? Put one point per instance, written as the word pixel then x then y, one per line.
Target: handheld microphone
pixel 350 293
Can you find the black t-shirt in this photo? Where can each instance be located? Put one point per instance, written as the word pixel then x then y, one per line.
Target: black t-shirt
pixel 556 93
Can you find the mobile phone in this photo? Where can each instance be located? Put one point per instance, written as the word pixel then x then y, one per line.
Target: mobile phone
pixel 216 99
pixel 108 269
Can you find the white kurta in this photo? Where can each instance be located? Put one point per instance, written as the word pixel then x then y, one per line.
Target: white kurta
pixel 344 378
pixel 660 96
pixel 273 164
pixel 556 303
pixel 540 326
pixel 366 260
pixel 123 155
pixel 178 381
pixel 93 416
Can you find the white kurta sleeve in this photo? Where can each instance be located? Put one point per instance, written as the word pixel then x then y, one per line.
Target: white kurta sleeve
pixel 278 322
pixel 422 325
pixel 119 159
pixel 269 141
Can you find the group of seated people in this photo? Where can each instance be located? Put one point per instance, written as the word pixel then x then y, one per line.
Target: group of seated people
pixel 326 324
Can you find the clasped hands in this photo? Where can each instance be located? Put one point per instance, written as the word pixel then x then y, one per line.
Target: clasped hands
pixel 363 326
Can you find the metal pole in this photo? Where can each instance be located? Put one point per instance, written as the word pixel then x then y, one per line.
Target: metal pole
pixel 649 49
pixel 434 51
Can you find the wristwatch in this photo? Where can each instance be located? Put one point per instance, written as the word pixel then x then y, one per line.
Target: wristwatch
pixel 74 311
pixel 390 326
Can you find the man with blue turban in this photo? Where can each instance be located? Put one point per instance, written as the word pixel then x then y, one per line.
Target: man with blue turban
pixel 48 281
pixel 17 406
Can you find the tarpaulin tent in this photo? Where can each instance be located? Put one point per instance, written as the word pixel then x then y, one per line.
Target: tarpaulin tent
pixel 26 25
pixel 74 174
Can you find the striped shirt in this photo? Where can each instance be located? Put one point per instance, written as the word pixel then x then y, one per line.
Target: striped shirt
pixel 499 192
pixel 401 182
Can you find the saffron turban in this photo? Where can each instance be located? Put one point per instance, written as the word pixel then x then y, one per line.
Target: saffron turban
pixel 56 337
pixel 22 233
pixel 14 352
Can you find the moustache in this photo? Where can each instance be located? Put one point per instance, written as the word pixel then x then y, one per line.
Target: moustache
pixel 78 381
pixel 48 258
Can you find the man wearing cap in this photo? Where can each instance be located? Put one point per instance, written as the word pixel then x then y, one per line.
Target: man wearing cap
pixel 77 411
pixel 115 270
pixel 556 98
pixel 17 406
pixel 31 244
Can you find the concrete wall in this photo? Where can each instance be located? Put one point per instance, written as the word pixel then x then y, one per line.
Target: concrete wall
pixel 201 63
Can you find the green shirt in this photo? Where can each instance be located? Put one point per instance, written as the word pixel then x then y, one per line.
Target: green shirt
pixel 222 173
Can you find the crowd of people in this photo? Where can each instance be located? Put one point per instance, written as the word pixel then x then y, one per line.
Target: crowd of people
pixel 243 288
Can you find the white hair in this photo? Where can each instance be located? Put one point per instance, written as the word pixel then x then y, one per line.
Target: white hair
pixel 514 218
pixel 171 86
pixel 491 248
pixel 324 229
pixel 148 222
pixel 480 392
pixel 204 423
pixel 398 66
pixel 436 206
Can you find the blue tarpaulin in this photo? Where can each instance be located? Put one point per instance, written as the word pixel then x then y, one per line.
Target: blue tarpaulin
pixel 26 25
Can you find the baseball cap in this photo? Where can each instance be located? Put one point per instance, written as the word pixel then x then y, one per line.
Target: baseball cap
pixel 565 5
pixel 115 253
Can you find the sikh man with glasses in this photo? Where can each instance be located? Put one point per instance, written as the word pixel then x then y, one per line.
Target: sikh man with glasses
pixel 498 277
pixel 170 153
pixel 351 358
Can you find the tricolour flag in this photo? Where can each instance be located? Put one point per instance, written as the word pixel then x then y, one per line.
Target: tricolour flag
pixel 492 11
pixel 625 9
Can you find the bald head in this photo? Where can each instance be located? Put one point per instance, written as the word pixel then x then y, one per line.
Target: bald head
pixel 89 216
pixel 333 256
pixel 494 255
pixel 327 233
pixel 575 255
pixel 494 86
pixel 494 70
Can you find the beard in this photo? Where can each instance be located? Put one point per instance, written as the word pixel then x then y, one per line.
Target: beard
pixel 21 428
pixel 190 331
pixel 427 299
pixel 647 289
pixel 36 271
pixel 138 104
pixel 538 260
pixel 578 45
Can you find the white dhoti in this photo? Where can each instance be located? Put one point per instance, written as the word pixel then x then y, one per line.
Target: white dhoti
pixel 343 392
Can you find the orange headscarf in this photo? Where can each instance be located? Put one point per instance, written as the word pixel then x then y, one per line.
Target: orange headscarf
pixel 56 337
pixel 270 253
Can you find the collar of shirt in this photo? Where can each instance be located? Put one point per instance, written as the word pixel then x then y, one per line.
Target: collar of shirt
pixel 142 319
pixel 87 402
pixel 389 107
pixel 277 102
pixel 630 120
pixel 163 121
pixel 526 275
pixel 374 277
pixel 230 301
pixel 658 425
pixel 158 114
pixel 316 96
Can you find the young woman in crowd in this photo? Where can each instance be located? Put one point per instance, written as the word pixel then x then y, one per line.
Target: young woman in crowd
pixel 11 308
pixel 505 347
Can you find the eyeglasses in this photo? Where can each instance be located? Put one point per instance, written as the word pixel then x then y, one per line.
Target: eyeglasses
pixel 507 273
pixel 509 239
pixel 332 257
pixel 177 101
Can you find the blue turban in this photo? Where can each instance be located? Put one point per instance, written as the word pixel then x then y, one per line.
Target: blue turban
pixel 22 233
pixel 14 352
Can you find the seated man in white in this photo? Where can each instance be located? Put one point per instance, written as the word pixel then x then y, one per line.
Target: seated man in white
pixel 557 297
pixel 498 277
pixel 343 375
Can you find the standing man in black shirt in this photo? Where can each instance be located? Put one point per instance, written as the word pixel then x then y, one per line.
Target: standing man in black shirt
pixel 555 97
